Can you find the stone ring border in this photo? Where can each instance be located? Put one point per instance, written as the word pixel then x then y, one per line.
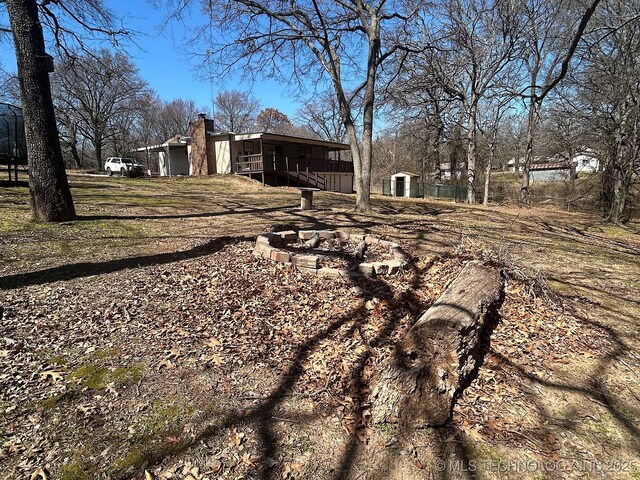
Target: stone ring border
pixel 267 247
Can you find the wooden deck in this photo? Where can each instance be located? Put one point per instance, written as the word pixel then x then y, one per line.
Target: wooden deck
pixel 300 170
pixel 259 163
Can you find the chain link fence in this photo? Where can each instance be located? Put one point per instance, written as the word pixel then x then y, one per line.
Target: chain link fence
pixel 423 190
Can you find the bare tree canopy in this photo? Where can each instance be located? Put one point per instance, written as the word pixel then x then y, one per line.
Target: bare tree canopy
pixel 321 115
pixel 96 96
pixel 235 111
pixel 273 121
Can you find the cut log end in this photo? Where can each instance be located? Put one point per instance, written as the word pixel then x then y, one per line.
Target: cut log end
pixel 440 354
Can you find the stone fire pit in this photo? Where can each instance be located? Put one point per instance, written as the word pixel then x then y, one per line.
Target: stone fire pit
pixel 335 247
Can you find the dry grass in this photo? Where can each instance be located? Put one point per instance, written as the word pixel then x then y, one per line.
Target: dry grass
pixel 559 384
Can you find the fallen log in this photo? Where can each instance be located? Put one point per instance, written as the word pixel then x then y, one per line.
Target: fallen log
pixel 440 354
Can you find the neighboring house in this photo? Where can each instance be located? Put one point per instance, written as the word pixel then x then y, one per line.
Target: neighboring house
pixel 587 161
pixel 511 164
pixel 273 158
pixel 404 184
pixel 445 170
pixel 584 161
pixel 550 171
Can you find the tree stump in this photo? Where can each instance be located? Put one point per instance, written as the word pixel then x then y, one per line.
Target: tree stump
pixel 441 352
pixel 306 197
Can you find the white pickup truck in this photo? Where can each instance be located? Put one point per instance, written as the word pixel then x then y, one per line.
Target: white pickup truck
pixel 123 166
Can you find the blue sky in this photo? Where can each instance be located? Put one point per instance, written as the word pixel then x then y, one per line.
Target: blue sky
pixel 164 61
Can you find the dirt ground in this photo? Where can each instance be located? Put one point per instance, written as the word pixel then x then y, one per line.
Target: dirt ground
pixel 143 340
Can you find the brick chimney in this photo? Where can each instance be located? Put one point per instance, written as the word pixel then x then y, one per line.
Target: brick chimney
pixel 202 148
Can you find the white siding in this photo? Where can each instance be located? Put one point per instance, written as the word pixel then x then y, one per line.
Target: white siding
pixel 338 182
pixel 162 164
pixel 223 156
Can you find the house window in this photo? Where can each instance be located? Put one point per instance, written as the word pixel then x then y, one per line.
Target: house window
pixel 585 162
pixel 304 151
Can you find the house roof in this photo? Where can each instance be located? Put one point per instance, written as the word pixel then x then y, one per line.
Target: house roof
pixel 173 142
pixel 281 138
pixel 406 173
pixel 550 166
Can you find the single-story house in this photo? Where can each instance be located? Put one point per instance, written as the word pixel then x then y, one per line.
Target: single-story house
pixel 274 159
pixel 403 184
pixel 550 171
pixel 585 161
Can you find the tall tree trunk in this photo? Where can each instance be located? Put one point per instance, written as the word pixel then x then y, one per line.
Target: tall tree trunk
pixel 73 146
pixel 363 197
pixel 487 178
pixel 622 165
pixel 618 197
pixel 471 153
pixel 74 154
pixel 97 147
pixel 50 196
pixel 528 154
pixel 437 139
pixel 534 105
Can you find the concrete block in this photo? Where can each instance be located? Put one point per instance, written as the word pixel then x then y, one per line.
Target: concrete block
pixel 307 270
pixel 366 269
pixel 263 250
pixel 327 234
pixel 309 261
pixel 342 236
pixel 380 268
pixel 288 235
pixel 280 256
pixel 306 234
pixel 263 239
pixel 329 272
pixel 394 266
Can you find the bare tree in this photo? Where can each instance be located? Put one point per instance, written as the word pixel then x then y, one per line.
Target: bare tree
pixel 344 43
pixel 496 112
pixel 235 111
pixel 50 196
pixel 173 117
pixel 610 93
pixel 274 121
pixel 417 95
pixel 550 40
pixel 101 92
pixel 321 114
pixel 481 41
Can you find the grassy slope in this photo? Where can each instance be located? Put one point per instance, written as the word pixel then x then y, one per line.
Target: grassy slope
pixel 589 405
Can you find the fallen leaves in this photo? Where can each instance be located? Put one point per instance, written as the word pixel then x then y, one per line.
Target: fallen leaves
pixel 51 375
pixel 226 326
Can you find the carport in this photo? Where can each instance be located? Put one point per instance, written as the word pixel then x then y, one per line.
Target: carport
pixel 173 156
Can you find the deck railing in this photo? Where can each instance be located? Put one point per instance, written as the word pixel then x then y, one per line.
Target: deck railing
pixel 257 163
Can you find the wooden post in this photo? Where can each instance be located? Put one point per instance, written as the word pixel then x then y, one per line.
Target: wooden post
pixel 306 200
pixel 286 161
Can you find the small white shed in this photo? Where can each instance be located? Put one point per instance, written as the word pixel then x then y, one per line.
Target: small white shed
pixel 403 183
